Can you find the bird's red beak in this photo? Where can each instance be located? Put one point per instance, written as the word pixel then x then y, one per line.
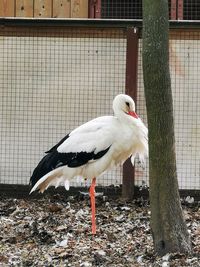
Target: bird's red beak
pixel 133 114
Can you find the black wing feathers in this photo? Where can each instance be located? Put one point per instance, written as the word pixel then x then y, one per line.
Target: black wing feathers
pixel 81 158
pixel 58 144
pixel 54 159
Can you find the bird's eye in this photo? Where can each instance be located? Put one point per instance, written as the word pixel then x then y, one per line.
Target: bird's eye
pixel 128 104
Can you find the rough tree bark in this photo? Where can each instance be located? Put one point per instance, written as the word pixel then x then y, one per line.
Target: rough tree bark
pixel 168 226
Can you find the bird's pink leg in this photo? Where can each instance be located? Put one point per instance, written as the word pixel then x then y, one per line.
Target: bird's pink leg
pixel 93 206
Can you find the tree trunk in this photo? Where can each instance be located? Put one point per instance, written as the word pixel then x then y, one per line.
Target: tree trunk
pixel 168 226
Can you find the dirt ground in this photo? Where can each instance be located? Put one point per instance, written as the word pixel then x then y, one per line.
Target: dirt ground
pixel 56 231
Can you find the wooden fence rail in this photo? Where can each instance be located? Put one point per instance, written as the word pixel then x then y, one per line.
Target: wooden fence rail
pixel 44 8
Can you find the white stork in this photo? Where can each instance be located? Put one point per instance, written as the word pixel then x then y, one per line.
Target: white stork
pixel 93 148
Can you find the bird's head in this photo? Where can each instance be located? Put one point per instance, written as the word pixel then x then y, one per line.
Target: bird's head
pixel 123 105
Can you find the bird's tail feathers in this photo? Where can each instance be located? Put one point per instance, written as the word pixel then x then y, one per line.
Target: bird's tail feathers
pixel 43 167
pixel 53 178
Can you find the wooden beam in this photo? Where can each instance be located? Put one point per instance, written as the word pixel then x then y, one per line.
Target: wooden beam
pixel 91 11
pixel 61 9
pixel 7 8
pixel 94 9
pixel 24 8
pixel 173 10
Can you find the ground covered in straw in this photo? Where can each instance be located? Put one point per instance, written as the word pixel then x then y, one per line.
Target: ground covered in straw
pixel 56 231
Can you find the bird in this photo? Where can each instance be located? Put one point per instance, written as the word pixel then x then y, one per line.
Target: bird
pixel 94 148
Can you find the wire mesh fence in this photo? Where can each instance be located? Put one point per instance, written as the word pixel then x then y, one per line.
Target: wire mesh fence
pixel 51 81
pixel 184 68
pixel 191 9
pixel 120 9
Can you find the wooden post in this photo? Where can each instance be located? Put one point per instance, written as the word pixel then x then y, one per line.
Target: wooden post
pixel 98 9
pixel 180 10
pixel 94 9
pixel 131 89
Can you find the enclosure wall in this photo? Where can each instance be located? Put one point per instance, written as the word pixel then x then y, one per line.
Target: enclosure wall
pixel 184 54
pixel 53 79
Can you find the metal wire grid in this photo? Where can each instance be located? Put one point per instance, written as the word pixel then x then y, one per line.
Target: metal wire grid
pixel 191 10
pixel 185 68
pixel 120 9
pixel 51 81
pixel 133 9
